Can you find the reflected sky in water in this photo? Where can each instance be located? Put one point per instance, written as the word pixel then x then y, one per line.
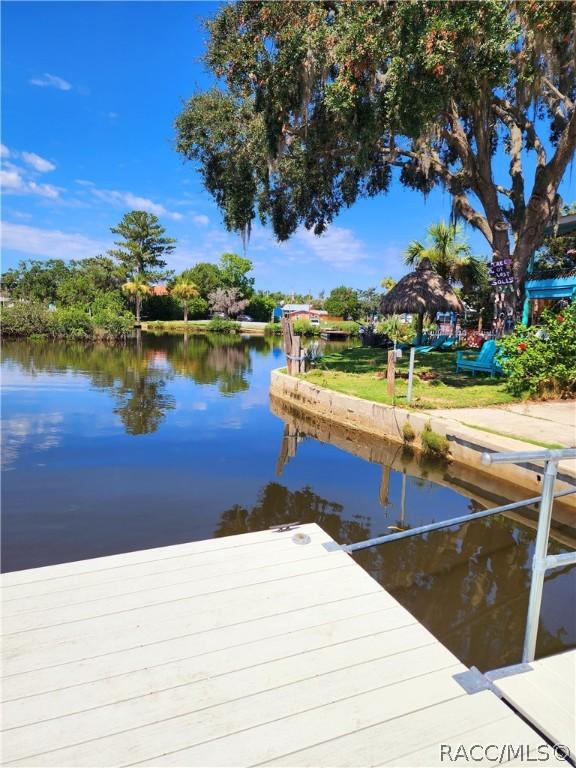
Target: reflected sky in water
pixel 109 449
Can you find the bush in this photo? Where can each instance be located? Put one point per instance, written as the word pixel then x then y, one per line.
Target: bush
pixel 541 360
pixel 305 328
pixel 73 322
pixel 433 443
pixel 273 329
pixel 220 325
pixel 408 432
pixel 25 318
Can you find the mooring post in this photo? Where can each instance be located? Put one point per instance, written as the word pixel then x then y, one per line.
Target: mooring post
pixel 410 375
pixel 539 561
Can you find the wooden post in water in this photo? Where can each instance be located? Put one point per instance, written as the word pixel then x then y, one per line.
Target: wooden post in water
pixel 391 371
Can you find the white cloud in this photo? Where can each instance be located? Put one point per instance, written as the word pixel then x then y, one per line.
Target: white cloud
pixel 130 200
pixel 337 246
pixel 49 243
pixel 13 180
pixel 200 218
pixel 4 151
pixel 51 81
pixel 38 163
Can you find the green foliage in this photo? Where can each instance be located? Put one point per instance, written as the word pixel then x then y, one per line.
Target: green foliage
pixel 220 325
pixel 408 433
pixel 198 308
pixel 343 302
pixel 25 318
pixel 396 329
pixel 110 318
pixel 261 306
pixel 369 300
pixel 205 276
pixel 449 254
pixel 305 328
pixel 555 251
pixel 143 245
pixel 541 360
pixel 72 322
pixel 234 270
pixel 433 443
pixel 319 103
pixel 273 329
pixel 36 280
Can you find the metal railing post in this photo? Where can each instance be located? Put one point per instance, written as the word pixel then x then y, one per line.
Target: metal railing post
pixel 539 561
pixel 410 376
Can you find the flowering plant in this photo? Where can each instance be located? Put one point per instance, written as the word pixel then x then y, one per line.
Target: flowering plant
pixel 541 360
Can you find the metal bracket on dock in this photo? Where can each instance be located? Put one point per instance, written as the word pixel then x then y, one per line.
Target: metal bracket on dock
pixel 473 681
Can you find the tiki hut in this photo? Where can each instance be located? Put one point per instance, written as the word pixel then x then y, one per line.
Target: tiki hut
pixel 421 292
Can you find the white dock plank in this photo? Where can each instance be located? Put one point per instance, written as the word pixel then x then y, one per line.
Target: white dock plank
pixel 262 633
pixel 101 564
pixel 360 636
pixel 545 692
pixel 235 651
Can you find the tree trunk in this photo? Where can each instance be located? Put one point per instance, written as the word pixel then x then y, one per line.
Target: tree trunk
pixel 138 308
pixel 419 326
pixel 185 313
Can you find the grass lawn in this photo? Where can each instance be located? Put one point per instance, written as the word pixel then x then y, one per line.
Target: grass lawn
pixel 361 372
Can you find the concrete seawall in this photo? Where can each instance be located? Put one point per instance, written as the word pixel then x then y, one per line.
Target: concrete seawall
pixel 466 443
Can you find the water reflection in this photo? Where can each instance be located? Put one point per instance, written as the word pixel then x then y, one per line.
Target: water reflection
pixel 276 504
pixel 468 584
pixel 172 439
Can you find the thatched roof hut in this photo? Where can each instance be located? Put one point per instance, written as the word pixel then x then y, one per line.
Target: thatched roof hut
pixel 421 292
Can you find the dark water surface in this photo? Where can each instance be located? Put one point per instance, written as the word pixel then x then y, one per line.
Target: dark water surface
pixel 111 449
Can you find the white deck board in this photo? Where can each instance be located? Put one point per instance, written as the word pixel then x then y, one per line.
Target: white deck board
pixel 544 691
pixel 231 652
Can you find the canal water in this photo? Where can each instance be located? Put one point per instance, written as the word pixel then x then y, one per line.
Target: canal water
pixel 109 449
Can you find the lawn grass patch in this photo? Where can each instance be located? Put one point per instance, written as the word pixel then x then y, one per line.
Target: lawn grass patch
pixel 360 371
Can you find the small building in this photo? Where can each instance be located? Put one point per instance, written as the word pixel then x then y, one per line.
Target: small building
pixel 160 290
pixel 549 288
pixel 307 312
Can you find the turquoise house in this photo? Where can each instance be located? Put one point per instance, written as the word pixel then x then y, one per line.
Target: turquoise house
pixel 546 288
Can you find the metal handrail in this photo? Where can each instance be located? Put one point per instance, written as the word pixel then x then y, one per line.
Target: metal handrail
pixel 541 561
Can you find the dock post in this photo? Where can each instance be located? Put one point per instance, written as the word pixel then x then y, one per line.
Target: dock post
pixel 410 376
pixel 539 560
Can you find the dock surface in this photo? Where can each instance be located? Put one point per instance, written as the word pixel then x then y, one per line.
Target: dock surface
pixel 240 651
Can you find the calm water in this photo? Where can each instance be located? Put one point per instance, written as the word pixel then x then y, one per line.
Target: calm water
pixel 111 449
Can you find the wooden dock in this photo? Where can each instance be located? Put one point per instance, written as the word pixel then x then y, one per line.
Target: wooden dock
pixel 245 650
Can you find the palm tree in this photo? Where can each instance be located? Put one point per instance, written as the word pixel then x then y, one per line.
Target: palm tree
pixel 449 254
pixel 184 291
pixel 137 288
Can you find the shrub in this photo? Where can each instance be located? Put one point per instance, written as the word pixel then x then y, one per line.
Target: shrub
pixel 73 322
pixel 305 328
pixel 273 329
pixel 433 443
pixel 220 325
pixel 25 318
pixel 541 360
pixel 408 432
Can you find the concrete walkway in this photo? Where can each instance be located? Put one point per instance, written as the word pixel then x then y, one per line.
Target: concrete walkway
pixel 552 422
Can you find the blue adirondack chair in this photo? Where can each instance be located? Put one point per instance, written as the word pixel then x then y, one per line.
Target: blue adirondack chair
pixel 449 343
pixel 485 361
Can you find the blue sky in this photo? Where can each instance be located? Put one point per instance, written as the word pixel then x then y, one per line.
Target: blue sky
pixel 90 93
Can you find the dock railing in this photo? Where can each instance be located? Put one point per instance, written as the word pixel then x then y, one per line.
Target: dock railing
pixel 541 561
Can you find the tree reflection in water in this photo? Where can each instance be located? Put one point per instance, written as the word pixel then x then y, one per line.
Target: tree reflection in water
pixel 277 504
pixel 469 586
pixel 137 373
